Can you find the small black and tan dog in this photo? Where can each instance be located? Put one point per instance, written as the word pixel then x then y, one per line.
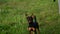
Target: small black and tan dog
pixel 33 25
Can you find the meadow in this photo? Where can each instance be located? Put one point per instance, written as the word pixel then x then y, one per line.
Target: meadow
pixel 13 20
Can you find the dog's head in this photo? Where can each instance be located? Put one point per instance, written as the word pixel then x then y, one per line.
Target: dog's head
pixel 30 19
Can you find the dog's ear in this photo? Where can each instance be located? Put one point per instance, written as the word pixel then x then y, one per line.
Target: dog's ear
pixel 31 14
pixel 26 14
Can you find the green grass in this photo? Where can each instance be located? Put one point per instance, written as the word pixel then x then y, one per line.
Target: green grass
pixel 13 20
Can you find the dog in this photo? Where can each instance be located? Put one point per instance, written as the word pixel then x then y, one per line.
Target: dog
pixel 33 25
pixel 30 22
